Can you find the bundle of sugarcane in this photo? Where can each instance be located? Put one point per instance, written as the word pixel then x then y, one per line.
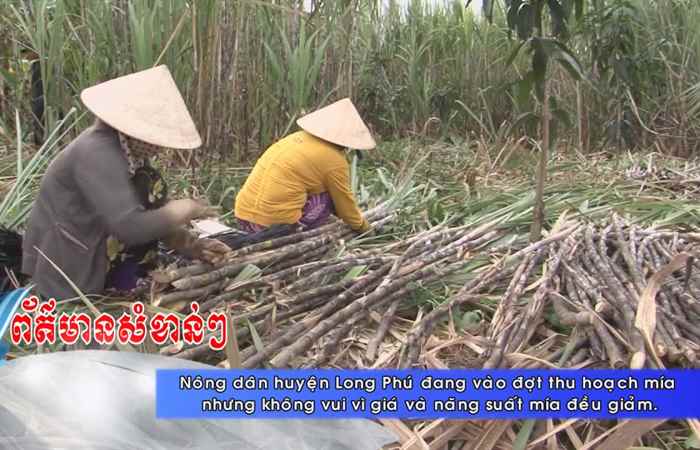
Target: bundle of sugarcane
pixel 628 296
pixel 175 287
pixel 630 293
pixel 509 275
pixel 312 303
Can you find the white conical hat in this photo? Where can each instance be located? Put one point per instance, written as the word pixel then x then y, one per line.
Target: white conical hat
pixel 147 106
pixel 339 123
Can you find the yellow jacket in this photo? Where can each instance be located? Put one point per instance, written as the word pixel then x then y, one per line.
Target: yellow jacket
pixel 299 164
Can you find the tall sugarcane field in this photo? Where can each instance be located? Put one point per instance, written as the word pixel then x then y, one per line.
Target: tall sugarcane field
pixel 534 195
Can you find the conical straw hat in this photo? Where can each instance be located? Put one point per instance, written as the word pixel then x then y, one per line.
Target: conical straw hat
pixel 147 106
pixel 339 123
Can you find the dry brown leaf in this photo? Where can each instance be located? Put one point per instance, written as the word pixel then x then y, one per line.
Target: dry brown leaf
pixel 524 359
pixel 407 438
pixel 568 424
pixel 233 354
pixel 433 362
pixel 552 439
pixel 573 436
pixel 629 431
pixel 590 443
pixel 466 339
pixel 443 439
pixel 492 435
pixel 432 428
pixel 376 317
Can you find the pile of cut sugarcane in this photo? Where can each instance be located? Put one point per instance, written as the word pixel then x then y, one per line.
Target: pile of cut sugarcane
pixel 627 296
pixel 302 294
pixel 630 294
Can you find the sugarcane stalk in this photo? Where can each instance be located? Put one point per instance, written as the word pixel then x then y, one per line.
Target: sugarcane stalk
pixel 322 327
pixel 292 334
pixel 325 291
pixel 214 276
pixel 528 321
pixel 495 355
pixel 190 294
pixel 260 259
pixel 597 349
pixel 612 349
pixel 384 325
pixel 566 317
pixel 679 298
pixel 535 307
pixel 341 266
pixel 389 315
pixel 302 259
pixel 169 275
pixel 330 349
pixel 580 356
pixel 333 228
pixel 467 294
pixel 666 294
pixel 627 252
pixel 615 288
pixel 690 329
pixel 515 288
pixel 664 339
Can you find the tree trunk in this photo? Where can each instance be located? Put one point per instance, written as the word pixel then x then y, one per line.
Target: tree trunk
pixel 538 219
pixel 582 110
pixel 538 212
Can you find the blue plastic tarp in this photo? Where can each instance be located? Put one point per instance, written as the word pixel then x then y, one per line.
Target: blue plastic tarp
pixel 9 302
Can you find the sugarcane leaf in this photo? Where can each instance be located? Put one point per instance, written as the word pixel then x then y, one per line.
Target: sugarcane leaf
pixel 354 272
pixel 9 78
pixel 436 212
pixel 516 51
pixel 470 320
pixel 257 341
pixel 233 354
pixel 692 442
pixel 569 62
pixel 559 17
pixel 353 174
pixel 524 89
pixel 487 9
pixel 385 181
pixel 523 436
pixel 578 9
pixel 249 272
pixel 525 21
pixel 561 115
pixel 83 297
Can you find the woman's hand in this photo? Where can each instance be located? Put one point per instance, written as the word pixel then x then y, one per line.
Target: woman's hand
pixel 207 250
pixel 210 250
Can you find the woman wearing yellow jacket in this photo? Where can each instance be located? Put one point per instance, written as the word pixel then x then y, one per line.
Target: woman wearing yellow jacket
pixel 305 177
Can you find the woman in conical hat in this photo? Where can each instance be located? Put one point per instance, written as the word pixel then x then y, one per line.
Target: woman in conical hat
pixel 304 178
pixel 102 209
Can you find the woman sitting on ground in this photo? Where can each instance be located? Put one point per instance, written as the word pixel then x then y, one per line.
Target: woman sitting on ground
pixel 101 208
pixel 305 177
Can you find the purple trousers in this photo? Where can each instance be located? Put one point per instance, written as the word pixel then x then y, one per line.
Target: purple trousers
pixel 317 209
